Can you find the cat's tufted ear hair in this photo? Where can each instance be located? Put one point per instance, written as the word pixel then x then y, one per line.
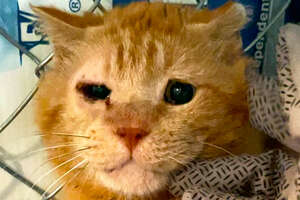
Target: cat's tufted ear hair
pixel 62 27
pixel 222 22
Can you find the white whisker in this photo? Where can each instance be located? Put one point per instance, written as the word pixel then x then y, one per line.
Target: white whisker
pixel 65 174
pixel 54 193
pixel 205 143
pixel 52 170
pixel 59 188
pixel 156 161
pixel 62 134
pixel 36 170
pixel 59 134
pixel 27 154
pixel 165 155
pixel 218 147
pixel 179 162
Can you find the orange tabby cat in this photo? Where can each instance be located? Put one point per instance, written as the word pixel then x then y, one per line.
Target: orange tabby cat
pixel 138 92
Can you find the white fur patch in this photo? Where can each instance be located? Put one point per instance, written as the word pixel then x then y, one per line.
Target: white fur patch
pixel 133 180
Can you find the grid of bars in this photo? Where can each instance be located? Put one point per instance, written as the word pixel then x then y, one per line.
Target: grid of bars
pixel 40 68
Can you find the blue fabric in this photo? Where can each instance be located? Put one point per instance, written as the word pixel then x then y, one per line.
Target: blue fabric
pixel 123 2
pixel 292 14
pixel 9 23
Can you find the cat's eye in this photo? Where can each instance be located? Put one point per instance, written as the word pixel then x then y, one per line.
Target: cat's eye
pixel 94 92
pixel 178 93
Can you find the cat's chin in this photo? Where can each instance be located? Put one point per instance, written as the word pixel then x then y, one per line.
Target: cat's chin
pixel 132 180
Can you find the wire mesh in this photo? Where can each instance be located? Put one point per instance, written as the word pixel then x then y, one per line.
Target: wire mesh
pixel 40 69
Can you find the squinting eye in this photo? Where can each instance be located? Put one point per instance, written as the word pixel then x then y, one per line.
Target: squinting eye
pixel 178 93
pixel 94 92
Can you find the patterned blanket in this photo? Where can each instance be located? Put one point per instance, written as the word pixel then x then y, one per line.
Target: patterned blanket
pixel 271 175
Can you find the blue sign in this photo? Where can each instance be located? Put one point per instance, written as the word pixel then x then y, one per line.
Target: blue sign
pixel 20 26
pixel 29 34
pixel 74 5
pixel 123 2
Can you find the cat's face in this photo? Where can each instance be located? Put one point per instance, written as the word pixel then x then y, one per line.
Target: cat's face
pixel 138 92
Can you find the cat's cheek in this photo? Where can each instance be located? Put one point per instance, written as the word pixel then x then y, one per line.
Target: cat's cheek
pixel 106 149
pixel 82 106
pixel 146 156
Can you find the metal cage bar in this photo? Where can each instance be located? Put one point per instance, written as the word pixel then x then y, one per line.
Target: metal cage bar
pixel 41 65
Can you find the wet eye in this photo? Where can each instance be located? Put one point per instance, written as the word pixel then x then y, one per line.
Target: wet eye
pixel 94 92
pixel 178 93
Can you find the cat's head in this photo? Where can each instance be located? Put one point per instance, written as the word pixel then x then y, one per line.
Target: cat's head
pixel 138 92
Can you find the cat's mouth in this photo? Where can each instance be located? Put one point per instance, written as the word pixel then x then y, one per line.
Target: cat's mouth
pixel 119 167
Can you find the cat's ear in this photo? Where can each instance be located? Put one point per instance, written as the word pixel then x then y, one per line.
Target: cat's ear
pixel 59 26
pixel 64 28
pixel 222 22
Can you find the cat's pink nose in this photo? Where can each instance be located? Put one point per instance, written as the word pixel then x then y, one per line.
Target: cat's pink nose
pixel 131 136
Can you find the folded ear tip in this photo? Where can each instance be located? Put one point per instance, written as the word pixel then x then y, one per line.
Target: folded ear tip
pixel 33 7
pixel 240 9
pixel 237 14
pixel 233 10
pixel 43 11
pixel 37 9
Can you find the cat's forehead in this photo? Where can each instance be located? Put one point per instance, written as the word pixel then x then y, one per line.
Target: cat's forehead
pixel 141 58
pixel 149 41
pixel 126 55
pixel 125 61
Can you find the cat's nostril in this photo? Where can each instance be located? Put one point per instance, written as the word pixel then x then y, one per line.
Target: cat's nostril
pixel 138 136
pixel 122 135
pixel 131 136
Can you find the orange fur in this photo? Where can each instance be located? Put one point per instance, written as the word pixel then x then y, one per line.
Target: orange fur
pixel 135 51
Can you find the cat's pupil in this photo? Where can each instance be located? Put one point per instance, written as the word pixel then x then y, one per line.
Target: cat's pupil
pixel 95 92
pixel 179 93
